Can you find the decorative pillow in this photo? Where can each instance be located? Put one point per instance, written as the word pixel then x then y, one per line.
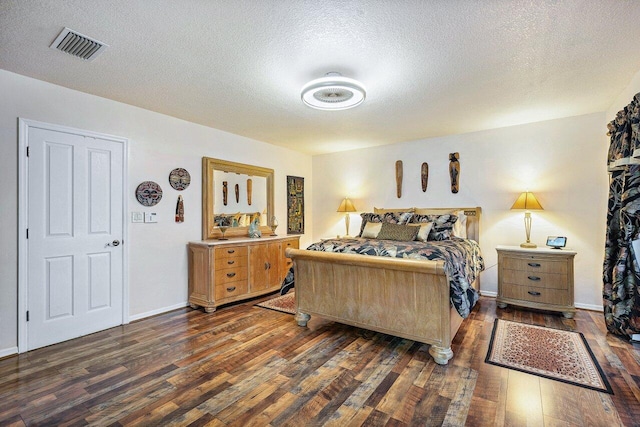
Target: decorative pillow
pixel 371 230
pixel 402 233
pixel 423 230
pixel 389 217
pixel 460 226
pixel 442 225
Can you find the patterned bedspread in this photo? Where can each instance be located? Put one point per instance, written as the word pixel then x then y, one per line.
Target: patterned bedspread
pixel 462 258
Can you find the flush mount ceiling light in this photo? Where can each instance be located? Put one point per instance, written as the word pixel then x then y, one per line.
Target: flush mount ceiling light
pixel 333 92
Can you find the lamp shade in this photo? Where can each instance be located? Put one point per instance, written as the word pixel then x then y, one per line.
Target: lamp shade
pixel 527 201
pixel 346 206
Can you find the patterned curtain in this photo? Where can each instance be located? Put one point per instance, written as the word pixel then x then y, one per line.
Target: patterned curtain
pixel 621 272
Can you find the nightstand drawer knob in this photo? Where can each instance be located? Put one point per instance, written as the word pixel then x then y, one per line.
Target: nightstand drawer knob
pixel 534 278
pixel 534 293
pixel 231 289
pixel 533 264
pixel 231 274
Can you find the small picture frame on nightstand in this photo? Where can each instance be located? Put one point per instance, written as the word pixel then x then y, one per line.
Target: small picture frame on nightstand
pixel 556 242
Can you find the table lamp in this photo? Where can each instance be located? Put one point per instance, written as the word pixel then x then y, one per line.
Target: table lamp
pixel 528 202
pixel 346 206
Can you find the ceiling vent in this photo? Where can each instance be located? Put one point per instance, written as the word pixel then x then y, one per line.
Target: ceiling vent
pixel 78 45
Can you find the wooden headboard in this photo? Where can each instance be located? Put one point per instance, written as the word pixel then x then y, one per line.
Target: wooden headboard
pixel 472 214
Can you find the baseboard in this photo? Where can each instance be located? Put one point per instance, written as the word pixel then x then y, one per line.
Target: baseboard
pixel 8 352
pixel 158 311
pixel 592 307
pixel 488 293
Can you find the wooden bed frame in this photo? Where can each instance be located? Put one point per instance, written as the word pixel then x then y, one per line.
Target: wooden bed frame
pixel 402 297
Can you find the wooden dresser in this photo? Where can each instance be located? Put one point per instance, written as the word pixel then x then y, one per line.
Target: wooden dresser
pixel 224 271
pixel 537 278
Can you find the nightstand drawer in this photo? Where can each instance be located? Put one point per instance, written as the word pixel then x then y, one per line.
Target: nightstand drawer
pixel 534 264
pixel 537 279
pixel 540 295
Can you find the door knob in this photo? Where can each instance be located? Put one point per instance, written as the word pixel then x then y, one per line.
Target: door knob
pixel 114 243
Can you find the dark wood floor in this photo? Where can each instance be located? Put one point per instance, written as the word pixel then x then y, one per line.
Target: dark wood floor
pixel 244 365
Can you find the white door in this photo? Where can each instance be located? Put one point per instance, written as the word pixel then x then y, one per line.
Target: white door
pixel 75 232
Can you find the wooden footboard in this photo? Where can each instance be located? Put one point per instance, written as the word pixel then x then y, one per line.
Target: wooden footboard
pixel 402 297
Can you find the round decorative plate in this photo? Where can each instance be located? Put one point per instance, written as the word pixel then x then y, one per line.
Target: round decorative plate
pixel 179 179
pixel 149 193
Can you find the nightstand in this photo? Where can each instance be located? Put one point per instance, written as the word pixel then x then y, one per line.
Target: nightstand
pixel 536 278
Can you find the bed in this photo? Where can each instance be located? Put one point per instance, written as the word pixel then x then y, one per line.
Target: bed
pixel 407 296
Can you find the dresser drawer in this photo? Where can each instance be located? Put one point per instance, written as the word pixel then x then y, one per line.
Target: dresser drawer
pixel 231 252
pixel 534 265
pixel 535 294
pixel 230 262
pixel 231 289
pixel 537 279
pixel 228 275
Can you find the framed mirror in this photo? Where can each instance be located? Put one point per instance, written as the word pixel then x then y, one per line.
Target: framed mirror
pixel 234 195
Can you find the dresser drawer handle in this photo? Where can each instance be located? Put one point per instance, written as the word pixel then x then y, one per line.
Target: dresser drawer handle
pixel 230 251
pixel 231 262
pixel 231 289
pixel 533 264
pixel 534 278
pixel 534 293
pixel 231 274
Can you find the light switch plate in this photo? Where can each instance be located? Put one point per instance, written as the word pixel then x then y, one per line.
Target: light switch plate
pixel 137 217
pixel 150 217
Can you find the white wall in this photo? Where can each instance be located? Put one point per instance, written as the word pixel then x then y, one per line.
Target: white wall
pixel 157 144
pixel 562 161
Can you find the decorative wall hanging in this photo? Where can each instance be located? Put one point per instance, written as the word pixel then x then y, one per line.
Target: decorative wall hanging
pixel 225 192
pixel 237 193
pixel 399 178
pixel 424 175
pixel 249 190
pixel 179 179
pixel 180 210
pixel 454 171
pixel 148 193
pixel 295 205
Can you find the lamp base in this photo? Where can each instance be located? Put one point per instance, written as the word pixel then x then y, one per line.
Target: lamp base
pixel 528 245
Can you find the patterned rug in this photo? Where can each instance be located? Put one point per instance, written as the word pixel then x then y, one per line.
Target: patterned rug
pixel 550 353
pixel 285 303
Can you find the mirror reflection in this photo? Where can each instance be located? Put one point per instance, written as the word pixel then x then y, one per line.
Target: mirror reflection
pixel 233 196
pixel 239 199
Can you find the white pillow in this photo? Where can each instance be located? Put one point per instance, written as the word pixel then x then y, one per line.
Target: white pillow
pixel 425 228
pixel 460 226
pixel 371 230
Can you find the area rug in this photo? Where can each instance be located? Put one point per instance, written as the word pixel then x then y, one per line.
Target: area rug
pixel 285 303
pixel 550 353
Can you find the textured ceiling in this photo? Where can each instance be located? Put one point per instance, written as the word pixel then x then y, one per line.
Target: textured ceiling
pixel 431 68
